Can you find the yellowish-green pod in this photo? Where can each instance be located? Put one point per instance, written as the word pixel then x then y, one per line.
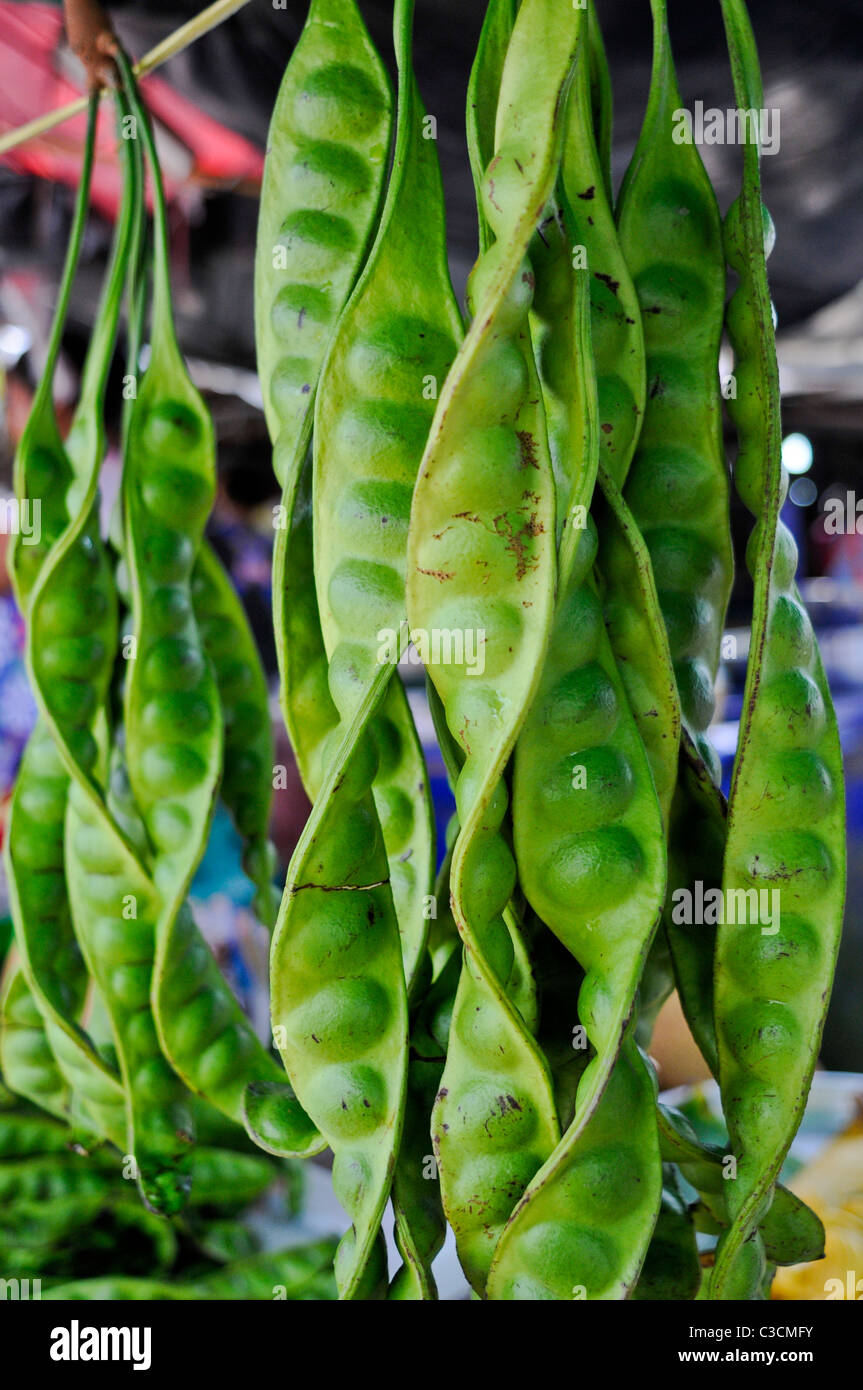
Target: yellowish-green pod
pixel 387 362
pixel 481 551
pixel 618 343
pixel 338 997
pixel 26 1059
pixel 323 184
pixel 786 807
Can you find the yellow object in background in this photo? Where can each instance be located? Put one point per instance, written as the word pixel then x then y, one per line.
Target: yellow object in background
pixel 832 1185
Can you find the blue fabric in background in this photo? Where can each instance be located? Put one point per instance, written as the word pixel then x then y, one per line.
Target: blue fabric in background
pixel 221 869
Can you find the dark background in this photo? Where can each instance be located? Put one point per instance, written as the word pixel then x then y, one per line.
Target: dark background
pixel 812 61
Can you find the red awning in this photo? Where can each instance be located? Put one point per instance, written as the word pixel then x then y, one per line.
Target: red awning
pixel 195 149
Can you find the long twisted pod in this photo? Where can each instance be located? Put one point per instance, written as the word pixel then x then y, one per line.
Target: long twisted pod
pixel 482 99
pixel 323 184
pixel 72 611
pixel 638 638
pixel 695 851
pixel 640 645
pixel 71 641
pixel 247 785
pixel 379 383
pixel 50 956
pixel 631 613
pixel 324 179
pixel 590 849
pixel 170 701
pixel 481 550
pixel 601 101
pixel 416 1197
pixel 786 811
pixel 173 725
pixel 618 343
pixel 338 998
pixel 371 422
pixel 677 488
pixel 105 883
pixel 391 351
pixel 42 471
pixel 521 985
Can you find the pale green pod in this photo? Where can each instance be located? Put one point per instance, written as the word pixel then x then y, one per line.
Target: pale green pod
pixel 481 550
pixel 323 184
pixel 786 804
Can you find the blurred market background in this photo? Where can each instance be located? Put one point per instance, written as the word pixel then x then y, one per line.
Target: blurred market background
pixel 212 105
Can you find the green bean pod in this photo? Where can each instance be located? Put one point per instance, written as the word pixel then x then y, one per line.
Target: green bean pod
pixel 481 560
pixel 521 984
pixel 323 184
pixel 213 1047
pixel 44 474
pixel 375 404
pixel 71 639
pixel 72 607
pixel 618 341
pixel 791 1232
pixel 248 755
pixel 171 709
pixel 420 1224
pixel 42 470
pixel 677 487
pixel 482 97
pixel 590 850
pixel 115 908
pixel 638 638
pixel 373 413
pixel 601 104
pixel 483 94
pixel 50 952
pixel 204 1031
pixel 26 1057
pixel 786 804
pixel 338 997
pixel 583 1227
pixel 640 645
